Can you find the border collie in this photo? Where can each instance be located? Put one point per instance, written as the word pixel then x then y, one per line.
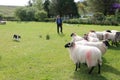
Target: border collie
pixel 16 37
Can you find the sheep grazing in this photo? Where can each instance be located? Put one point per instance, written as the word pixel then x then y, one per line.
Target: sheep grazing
pixel 100 45
pixel 85 54
pixel 75 37
pixel 109 36
pixel 16 37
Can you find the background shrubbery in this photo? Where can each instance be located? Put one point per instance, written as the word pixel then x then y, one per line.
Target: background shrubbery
pixel 97 19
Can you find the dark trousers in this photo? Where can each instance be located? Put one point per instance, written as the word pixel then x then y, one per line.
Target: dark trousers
pixel 59 28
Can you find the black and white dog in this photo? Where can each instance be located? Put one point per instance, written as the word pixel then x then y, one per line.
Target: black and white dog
pixel 16 37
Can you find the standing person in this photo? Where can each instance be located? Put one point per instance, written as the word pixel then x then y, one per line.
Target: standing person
pixel 59 24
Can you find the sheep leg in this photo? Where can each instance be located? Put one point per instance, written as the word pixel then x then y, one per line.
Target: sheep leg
pixel 98 68
pixel 91 70
pixel 77 65
pixel 116 44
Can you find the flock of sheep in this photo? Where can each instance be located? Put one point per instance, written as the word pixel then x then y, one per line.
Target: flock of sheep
pixel 90 48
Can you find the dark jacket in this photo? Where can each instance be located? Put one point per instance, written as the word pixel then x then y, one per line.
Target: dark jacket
pixel 59 21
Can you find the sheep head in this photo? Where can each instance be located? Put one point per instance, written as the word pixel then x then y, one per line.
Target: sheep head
pixel 106 43
pixel 73 34
pixel 68 45
pixel 108 31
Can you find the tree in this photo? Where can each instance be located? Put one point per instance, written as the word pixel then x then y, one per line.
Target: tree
pixel 1 16
pixel 46 5
pixel 82 8
pixel 40 15
pixel 64 7
pixel 26 13
pixel 38 4
pixel 103 6
pixel 30 3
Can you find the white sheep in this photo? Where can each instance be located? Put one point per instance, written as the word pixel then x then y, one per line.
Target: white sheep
pixel 112 31
pixel 93 39
pixel 91 36
pixel 85 54
pixel 99 34
pixel 100 45
pixel 75 37
pixel 109 36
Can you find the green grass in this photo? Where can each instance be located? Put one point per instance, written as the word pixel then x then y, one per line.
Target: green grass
pixel 35 58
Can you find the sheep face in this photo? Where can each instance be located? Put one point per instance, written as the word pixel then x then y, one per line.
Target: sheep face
pixel 68 45
pixel 108 31
pixel 106 43
pixel 73 34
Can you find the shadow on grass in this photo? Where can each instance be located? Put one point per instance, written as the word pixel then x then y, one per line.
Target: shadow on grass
pixel 16 41
pixel 114 48
pixel 63 37
pixel 82 74
pixel 109 69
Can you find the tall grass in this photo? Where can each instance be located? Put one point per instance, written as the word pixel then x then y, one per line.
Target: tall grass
pixel 35 58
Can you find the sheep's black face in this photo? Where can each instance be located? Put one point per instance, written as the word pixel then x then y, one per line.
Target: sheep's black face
pixel 108 31
pixel 106 43
pixel 72 34
pixel 67 45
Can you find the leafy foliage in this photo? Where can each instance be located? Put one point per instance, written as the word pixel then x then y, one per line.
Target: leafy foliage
pixel 40 15
pixel 26 13
pixel 64 7
pixel 1 16
pixel 103 6
pixel 46 6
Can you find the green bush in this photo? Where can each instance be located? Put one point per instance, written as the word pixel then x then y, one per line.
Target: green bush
pixel 99 16
pixel 40 15
pixel 49 19
pixel 10 18
pixel 1 16
pixel 117 15
pixel 25 13
pixel 108 21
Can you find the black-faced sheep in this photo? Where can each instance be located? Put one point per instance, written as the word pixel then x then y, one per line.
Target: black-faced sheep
pixel 75 37
pixel 85 54
pixel 92 37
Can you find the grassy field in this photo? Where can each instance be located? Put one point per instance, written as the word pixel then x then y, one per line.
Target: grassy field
pixel 35 58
